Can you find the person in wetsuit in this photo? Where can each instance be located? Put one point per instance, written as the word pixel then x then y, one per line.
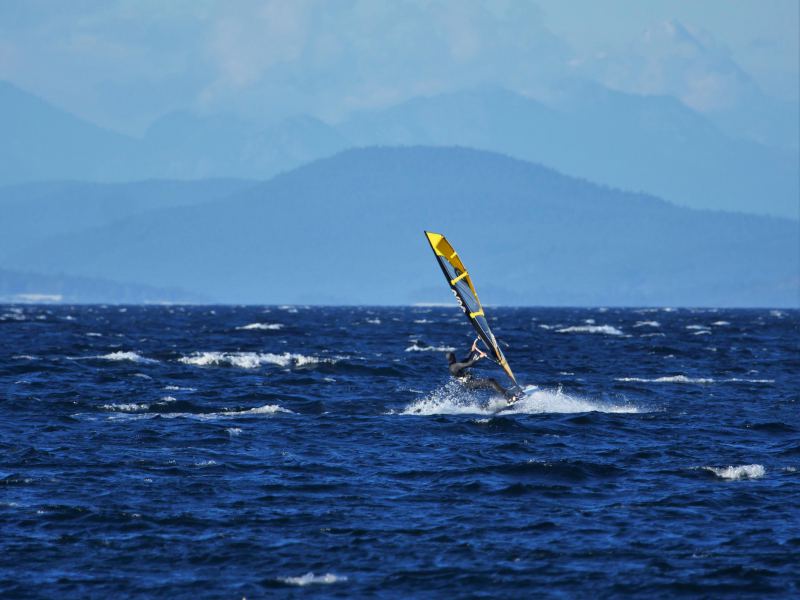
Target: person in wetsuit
pixel 459 371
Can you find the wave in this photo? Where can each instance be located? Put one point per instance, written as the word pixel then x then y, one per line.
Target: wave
pixel 14 314
pixel 453 399
pixel 251 360
pixel 267 409
pixel 126 407
pixel 736 473
pixel 685 379
pixel 118 356
pixel 606 329
pixel 136 407
pixel 261 326
pixel 309 578
pixel 415 347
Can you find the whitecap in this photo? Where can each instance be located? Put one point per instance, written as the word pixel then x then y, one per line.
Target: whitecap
pixel 14 314
pixel 685 379
pixel 697 327
pixel 374 321
pixel 667 379
pixel 453 399
pixel 415 347
pixel 177 388
pixel 720 323
pixel 422 321
pixel 126 407
pixel 606 329
pixel 267 409
pixel 261 326
pixel 309 578
pixel 251 360
pixel 732 473
pixel 647 324
pixel 122 356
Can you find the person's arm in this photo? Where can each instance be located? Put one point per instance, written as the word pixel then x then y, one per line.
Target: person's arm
pixel 457 367
pixel 477 351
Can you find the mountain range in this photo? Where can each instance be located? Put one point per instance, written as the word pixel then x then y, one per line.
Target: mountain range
pixel 650 143
pixel 348 229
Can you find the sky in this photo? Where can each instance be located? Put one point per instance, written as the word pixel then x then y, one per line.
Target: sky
pixel 123 63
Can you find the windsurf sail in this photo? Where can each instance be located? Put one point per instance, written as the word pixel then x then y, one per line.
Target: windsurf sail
pixel 461 285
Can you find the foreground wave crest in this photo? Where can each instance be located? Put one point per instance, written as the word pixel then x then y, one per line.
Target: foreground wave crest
pixel 453 399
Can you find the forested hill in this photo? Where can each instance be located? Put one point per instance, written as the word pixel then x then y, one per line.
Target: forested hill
pixel 348 229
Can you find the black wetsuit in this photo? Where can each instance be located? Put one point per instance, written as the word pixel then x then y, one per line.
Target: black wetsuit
pixel 459 370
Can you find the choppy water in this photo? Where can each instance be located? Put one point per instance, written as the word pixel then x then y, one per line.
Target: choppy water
pixel 185 452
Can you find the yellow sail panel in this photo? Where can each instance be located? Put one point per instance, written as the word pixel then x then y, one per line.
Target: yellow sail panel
pixel 441 247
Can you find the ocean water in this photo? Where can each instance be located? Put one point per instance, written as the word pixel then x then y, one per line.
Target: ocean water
pixel 222 452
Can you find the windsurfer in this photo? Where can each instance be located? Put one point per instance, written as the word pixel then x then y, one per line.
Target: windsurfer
pixel 459 371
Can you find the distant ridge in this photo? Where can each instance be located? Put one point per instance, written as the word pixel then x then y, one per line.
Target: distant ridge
pixel 649 143
pixel 22 287
pixel 35 211
pixel 348 229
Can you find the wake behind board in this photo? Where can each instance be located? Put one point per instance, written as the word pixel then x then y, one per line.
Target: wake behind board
pixel 516 394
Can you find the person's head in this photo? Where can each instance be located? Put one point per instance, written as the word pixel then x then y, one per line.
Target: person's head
pixel 451 357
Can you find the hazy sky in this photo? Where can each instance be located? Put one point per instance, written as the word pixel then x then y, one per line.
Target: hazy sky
pixel 122 63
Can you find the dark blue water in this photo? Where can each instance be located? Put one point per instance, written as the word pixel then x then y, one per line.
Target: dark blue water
pixel 221 452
